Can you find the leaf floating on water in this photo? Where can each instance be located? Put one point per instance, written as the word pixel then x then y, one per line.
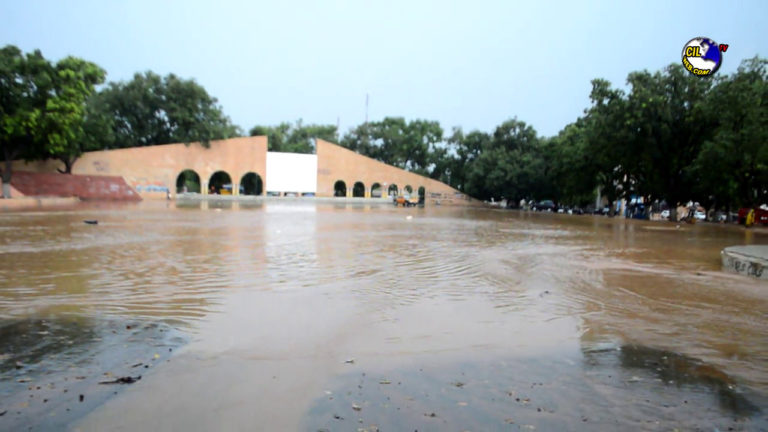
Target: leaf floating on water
pixel 349 361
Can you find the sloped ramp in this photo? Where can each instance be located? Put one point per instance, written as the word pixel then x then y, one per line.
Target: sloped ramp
pixel 85 187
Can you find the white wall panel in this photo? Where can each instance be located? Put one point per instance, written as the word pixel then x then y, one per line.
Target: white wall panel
pixel 291 172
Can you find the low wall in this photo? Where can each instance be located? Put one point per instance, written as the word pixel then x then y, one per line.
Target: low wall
pixel 85 187
pixel 746 260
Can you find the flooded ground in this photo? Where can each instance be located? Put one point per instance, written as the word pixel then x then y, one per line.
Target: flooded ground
pixel 296 316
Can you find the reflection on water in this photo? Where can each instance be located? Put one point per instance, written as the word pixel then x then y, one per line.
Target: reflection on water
pixel 282 292
pixel 680 370
pixel 32 344
pixel 546 393
pixel 51 368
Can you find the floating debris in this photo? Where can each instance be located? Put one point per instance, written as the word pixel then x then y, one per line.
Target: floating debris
pixel 349 361
pixel 122 380
pixel 91 221
pixel 356 407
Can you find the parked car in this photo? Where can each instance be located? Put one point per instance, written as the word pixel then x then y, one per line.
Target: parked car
pixel 545 205
pixel 665 214
pixel 700 215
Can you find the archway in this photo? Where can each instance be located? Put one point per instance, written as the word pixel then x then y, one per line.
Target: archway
pixel 392 191
pixel 408 189
pixel 422 194
pixel 340 189
pixel 251 184
pixel 358 190
pixel 188 181
pixel 376 190
pixel 220 183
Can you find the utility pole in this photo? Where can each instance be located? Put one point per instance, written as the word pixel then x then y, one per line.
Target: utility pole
pixel 366 109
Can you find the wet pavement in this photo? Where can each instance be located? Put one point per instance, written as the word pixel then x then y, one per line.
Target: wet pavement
pixel 296 316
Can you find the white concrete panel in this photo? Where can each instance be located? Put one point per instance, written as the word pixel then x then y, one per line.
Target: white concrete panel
pixel 291 172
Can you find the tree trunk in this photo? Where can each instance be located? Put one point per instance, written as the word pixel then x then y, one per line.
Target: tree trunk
pixel 68 163
pixel 7 174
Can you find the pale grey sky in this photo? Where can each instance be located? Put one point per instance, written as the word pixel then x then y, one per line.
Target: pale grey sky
pixel 472 64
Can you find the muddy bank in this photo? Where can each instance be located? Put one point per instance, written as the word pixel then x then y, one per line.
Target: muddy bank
pixel 55 370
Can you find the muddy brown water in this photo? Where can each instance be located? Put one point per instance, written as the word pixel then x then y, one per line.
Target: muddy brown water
pixel 303 316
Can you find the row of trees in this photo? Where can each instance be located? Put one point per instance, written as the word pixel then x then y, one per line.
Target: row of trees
pixel 669 136
pixel 58 111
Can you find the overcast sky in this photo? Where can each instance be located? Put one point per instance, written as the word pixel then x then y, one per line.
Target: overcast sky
pixel 472 64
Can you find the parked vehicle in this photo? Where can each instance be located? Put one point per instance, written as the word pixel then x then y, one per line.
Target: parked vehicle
pixel 700 215
pixel 761 215
pixel 545 205
pixel 665 214
pixel 406 201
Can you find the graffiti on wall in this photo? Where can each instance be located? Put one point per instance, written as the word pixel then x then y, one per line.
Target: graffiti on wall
pixel 144 185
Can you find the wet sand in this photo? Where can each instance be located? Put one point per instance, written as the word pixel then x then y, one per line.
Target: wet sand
pixel 339 317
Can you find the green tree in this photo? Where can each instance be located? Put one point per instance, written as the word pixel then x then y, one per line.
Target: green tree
pixel 152 110
pixel 465 150
pixel 298 138
pixel 573 172
pixel 732 166
pixel 26 82
pixel 645 143
pixel 70 126
pixel 510 164
pixel 408 145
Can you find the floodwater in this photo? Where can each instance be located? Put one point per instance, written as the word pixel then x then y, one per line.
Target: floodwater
pixel 302 316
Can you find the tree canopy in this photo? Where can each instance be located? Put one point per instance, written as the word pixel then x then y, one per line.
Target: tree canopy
pixel 152 110
pixel 295 138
